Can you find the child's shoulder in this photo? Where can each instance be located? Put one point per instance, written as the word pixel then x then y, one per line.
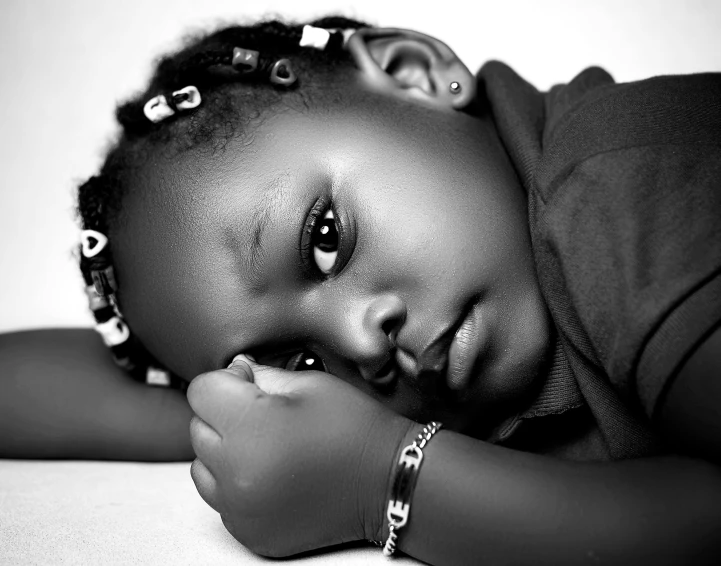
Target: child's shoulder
pixel 593 114
pixel 622 182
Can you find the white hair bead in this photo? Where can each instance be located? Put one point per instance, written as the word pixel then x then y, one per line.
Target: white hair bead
pixel 157 109
pixel 314 37
pixel 192 100
pixel 89 249
pixel 155 376
pixel 113 331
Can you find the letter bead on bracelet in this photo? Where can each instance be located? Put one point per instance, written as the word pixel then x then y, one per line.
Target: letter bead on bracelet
pixel 404 483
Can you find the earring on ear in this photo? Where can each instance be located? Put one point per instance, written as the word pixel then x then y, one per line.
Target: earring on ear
pixel 455 87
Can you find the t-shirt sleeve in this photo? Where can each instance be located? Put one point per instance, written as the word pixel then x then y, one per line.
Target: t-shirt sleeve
pixel 629 220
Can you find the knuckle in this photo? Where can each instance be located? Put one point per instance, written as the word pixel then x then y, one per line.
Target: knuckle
pixel 236 528
pixel 199 386
pixel 271 550
pixel 240 368
pixel 192 391
pixel 195 425
pixel 194 472
pixel 259 542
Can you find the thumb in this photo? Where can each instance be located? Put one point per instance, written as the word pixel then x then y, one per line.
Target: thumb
pixel 278 381
pixel 242 367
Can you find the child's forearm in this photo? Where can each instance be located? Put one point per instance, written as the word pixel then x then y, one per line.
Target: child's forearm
pixel 61 396
pixel 477 503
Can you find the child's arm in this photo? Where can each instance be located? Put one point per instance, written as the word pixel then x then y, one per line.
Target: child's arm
pixel 301 460
pixel 62 396
pixel 515 507
pixel 477 503
pixel 690 415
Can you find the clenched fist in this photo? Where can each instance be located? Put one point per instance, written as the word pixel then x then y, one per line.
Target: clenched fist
pixel 292 461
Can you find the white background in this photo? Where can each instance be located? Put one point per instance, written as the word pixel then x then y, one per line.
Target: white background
pixel 64 64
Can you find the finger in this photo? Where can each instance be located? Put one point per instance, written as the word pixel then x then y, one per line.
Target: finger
pixel 233 528
pixel 205 484
pixel 242 367
pixel 206 443
pixel 217 395
pixel 277 381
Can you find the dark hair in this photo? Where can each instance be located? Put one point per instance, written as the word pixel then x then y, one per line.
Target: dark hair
pixel 231 101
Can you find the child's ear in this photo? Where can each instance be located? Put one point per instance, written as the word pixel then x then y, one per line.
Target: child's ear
pixel 412 65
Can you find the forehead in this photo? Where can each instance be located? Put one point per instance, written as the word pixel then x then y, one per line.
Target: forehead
pixel 183 201
pixel 281 149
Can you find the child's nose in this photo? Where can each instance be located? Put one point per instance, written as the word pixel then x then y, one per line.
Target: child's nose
pixel 373 335
pixel 384 316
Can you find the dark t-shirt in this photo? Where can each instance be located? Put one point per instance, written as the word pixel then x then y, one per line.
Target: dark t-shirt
pixel 624 190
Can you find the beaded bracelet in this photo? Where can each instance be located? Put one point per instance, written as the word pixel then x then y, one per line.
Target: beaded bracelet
pixel 404 483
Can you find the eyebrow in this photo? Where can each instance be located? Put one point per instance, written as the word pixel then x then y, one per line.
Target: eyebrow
pixel 254 260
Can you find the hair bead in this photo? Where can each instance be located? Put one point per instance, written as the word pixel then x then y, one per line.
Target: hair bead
pixel 282 74
pixel 124 362
pixel 104 281
pixel 113 331
pixel 90 249
pixel 157 109
pixel 187 98
pixel 156 376
pixel 245 60
pixel 325 39
pixel 96 301
pixel 314 37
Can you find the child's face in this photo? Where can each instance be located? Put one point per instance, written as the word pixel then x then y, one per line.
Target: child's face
pixel 432 223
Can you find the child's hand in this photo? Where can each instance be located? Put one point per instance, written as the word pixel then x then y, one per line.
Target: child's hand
pixel 292 461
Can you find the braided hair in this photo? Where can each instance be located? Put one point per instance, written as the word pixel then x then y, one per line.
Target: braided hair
pixel 232 99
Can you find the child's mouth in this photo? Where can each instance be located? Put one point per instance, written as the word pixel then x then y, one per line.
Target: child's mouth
pixel 467 347
pixel 386 374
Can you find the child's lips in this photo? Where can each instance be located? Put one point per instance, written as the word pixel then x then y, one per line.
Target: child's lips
pixel 386 374
pixel 468 345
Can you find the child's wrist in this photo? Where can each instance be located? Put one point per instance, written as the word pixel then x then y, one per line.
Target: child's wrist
pixel 401 434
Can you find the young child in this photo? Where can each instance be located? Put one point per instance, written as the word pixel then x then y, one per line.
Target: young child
pixel 540 272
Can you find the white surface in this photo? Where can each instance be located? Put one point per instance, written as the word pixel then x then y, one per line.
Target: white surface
pixel 93 513
pixel 63 65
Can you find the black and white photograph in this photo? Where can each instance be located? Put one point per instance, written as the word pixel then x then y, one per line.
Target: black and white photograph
pixel 360 283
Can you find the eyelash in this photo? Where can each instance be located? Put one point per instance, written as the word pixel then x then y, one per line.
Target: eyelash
pixel 320 209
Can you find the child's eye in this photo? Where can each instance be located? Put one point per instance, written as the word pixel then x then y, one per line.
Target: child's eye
pixel 306 361
pixel 325 243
